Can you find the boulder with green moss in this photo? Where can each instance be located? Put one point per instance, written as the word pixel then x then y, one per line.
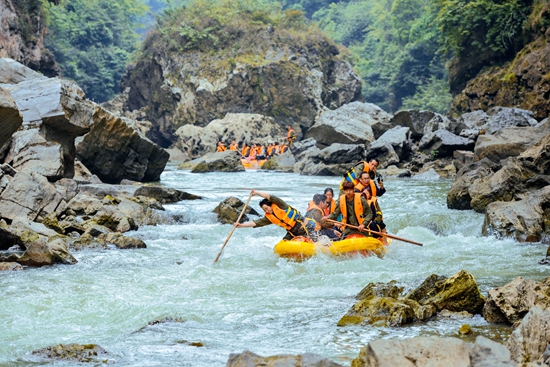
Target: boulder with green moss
pixel 457 293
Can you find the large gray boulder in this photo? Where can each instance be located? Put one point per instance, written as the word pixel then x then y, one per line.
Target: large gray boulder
pixel 29 194
pixel 397 137
pixel 510 303
pixel 13 72
pixel 525 220
pixel 195 141
pixel 10 118
pixel 443 143
pixel 330 161
pixel 59 110
pixel 226 161
pixel 283 162
pixel 458 196
pixel 29 149
pixel 433 351
pixel 249 359
pixel 507 142
pixel 470 124
pixel 531 338
pixel 353 123
pixel 415 120
pixel 502 117
pixel 114 151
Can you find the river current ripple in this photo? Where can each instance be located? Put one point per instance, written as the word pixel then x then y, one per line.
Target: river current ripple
pixel 251 299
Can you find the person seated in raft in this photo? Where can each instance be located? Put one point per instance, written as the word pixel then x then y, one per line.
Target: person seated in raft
pixel 370 191
pixel 270 149
pixel 262 154
pixel 276 148
pixel 233 146
pixel 253 152
pixel 354 209
pixel 352 175
pixel 245 150
pixel 221 147
pixel 331 204
pixel 278 212
pixel 316 211
pixel 378 225
pixel 283 148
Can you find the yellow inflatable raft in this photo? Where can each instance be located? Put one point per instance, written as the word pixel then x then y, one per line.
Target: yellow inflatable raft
pixel 252 163
pixel 300 248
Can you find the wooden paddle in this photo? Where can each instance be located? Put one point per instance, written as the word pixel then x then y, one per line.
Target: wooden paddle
pixel 378 233
pixel 234 226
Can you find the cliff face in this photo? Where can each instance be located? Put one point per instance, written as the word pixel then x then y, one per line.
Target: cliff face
pixel 523 82
pixel 292 78
pixel 22 30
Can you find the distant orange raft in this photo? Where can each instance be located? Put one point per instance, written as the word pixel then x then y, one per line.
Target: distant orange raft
pixel 252 163
pixel 301 248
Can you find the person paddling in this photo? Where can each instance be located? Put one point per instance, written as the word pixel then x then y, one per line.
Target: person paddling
pixel 354 209
pixel 221 147
pixel 316 211
pixel 378 225
pixel 278 212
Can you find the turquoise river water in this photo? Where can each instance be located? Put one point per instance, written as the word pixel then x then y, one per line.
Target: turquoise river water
pixel 250 299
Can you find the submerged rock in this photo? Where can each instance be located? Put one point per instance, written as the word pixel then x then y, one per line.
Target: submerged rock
pixel 10 266
pixel 165 195
pixel 249 359
pixel 229 210
pixel 73 353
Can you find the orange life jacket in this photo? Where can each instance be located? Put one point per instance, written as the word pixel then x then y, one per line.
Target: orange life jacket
pixel 331 207
pixel 283 218
pixel 245 151
pixel 260 150
pixel 312 206
pixel 221 148
pixel 351 176
pixel 291 134
pixel 233 147
pixel 357 205
pixel 283 148
pixel 361 187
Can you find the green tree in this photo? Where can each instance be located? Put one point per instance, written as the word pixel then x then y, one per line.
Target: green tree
pixel 92 41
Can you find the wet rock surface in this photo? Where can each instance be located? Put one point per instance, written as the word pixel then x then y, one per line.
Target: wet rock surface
pixel 511 302
pixel 248 359
pixel 384 304
pixel 531 338
pixel 228 211
pixel 76 353
pixel 433 351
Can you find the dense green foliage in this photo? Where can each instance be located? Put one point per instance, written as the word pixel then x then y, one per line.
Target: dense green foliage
pixel 92 41
pixel 234 26
pixel 482 24
pixel 394 45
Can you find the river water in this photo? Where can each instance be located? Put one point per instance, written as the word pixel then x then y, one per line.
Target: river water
pixel 250 299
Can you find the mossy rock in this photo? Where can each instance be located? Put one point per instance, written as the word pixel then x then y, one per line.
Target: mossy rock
pixel 386 311
pixel 29 236
pixel 457 293
pixel 51 222
pixel 73 352
pixel 380 290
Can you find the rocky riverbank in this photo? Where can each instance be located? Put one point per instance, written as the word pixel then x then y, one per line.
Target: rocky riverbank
pixel 63 161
